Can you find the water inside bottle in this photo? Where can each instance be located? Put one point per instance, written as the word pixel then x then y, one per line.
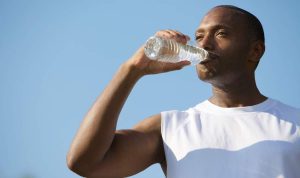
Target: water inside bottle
pixel 165 50
pixel 194 54
pixel 170 51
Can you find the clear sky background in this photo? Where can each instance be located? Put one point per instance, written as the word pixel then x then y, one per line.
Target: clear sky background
pixel 57 56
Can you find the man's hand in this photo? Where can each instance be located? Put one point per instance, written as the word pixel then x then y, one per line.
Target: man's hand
pixel 146 66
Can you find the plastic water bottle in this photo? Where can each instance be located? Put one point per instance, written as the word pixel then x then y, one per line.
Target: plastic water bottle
pixel 167 50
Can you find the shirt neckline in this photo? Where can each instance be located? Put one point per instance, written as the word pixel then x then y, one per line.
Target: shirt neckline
pixel 263 106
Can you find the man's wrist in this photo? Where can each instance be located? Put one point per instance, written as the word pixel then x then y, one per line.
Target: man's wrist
pixel 132 71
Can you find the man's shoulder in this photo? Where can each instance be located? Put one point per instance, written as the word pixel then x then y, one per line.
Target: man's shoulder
pixel 180 114
pixel 179 118
pixel 285 107
pixel 285 111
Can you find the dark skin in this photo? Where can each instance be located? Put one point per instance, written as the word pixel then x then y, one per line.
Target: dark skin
pixel 231 71
pixel 98 150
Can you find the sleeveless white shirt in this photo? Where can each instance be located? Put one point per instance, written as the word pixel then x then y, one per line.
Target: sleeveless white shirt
pixel 207 141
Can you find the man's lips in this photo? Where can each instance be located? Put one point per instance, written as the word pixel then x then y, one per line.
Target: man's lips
pixel 209 64
pixel 211 56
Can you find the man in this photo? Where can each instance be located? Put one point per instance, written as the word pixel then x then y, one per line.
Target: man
pixel 237 132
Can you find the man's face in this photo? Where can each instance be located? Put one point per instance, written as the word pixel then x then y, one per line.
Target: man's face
pixel 223 32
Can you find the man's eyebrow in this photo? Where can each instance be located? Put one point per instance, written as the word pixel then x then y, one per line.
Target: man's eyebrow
pixel 214 27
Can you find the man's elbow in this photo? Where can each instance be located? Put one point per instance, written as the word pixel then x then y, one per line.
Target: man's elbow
pixel 79 167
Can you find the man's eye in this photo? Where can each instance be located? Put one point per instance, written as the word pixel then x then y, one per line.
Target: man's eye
pixel 221 34
pixel 199 37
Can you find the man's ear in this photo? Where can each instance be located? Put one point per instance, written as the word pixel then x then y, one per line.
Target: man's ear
pixel 257 50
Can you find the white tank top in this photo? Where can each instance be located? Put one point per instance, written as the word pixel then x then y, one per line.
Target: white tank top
pixel 207 141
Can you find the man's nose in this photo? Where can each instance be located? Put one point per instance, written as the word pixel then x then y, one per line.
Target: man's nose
pixel 207 43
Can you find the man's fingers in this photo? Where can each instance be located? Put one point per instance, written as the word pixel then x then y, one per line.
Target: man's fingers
pixel 179 34
pixel 173 34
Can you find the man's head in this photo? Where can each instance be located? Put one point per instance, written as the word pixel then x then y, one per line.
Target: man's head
pixel 235 38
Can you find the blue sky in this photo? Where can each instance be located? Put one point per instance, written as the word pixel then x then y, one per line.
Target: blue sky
pixel 57 56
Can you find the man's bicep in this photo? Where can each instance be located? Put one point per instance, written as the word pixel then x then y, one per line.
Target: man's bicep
pixel 133 150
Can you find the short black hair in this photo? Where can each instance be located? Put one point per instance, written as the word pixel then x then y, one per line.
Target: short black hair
pixel 254 24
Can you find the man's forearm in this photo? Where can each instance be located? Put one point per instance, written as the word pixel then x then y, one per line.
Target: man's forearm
pixel 97 130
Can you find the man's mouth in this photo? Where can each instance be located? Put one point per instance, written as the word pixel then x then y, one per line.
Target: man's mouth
pixel 211 56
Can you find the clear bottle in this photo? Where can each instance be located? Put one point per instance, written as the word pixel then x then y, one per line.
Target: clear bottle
pixel 167 50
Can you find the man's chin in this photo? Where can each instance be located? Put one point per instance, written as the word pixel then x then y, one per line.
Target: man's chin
pixel 206 76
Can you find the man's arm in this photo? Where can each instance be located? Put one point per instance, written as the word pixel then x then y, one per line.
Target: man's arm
pixel 98 150
pixel 132 151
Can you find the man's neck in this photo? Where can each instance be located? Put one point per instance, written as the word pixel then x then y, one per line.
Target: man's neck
pixel 237 94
